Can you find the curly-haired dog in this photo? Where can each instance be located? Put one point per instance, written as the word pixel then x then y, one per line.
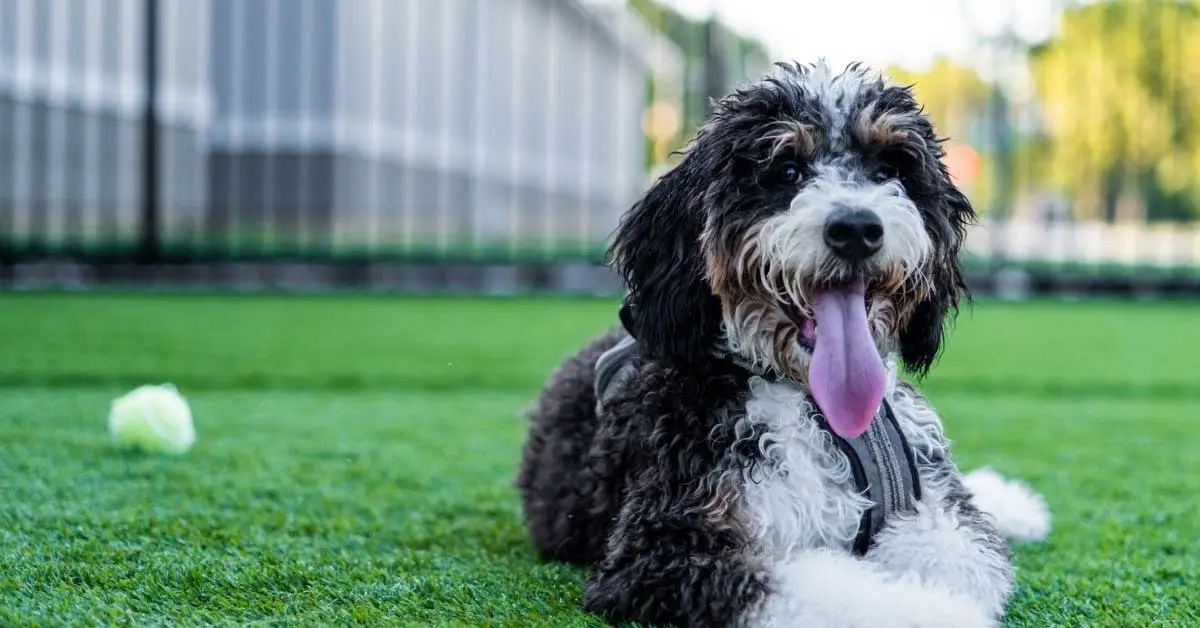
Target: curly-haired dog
pixel 742 450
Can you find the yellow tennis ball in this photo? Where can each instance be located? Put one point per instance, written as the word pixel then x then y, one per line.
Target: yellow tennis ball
pixel 152 418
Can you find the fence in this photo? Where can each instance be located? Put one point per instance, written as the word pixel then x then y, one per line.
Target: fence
pixel 484 131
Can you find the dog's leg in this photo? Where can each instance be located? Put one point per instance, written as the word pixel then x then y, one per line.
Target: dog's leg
pixel 1019 512
pixel 682 559
pixel 557 495
pixel 676 558
pixel 828 589
pixel 950 544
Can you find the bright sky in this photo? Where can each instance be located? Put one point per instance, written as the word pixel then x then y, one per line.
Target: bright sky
pixel 878 32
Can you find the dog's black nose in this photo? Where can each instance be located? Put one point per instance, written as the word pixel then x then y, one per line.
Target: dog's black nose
pixel 854 234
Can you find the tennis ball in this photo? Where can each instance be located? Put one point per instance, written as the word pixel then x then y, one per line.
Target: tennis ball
pixel 153 419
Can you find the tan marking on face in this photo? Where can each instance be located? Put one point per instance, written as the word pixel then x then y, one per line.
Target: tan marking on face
pixel 732 267
pixel 792 136
pixel 889 128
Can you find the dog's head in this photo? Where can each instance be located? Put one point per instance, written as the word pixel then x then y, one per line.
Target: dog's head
pixel 810 228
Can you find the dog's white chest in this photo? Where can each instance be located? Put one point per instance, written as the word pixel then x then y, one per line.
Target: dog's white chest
pixel 803 494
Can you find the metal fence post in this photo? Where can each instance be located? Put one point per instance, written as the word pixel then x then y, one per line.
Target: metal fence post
pixel 714 55
pixel 149 246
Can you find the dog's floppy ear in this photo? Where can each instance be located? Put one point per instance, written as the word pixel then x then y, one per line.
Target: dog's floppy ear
pixel 656 249
pixel 921 338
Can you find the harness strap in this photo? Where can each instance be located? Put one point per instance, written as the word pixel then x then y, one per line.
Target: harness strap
pixel 613 369
pixel 881 459
pixel 884 469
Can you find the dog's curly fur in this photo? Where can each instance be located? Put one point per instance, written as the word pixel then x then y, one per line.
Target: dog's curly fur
pixel 704 493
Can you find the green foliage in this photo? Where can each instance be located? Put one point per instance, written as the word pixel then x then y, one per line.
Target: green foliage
pixel 355 458
pixel 957 99
pixel 1121 95
pixel 1120 104
pixel 953 95
pixel 739 58
pixel 1116 89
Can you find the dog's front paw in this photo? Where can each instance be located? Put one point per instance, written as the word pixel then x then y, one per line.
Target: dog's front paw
pixel 1019 512
pixel 831 590
pixel 934 607
pixel 942 550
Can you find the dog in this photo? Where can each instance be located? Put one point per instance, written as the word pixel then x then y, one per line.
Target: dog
pixel 743 450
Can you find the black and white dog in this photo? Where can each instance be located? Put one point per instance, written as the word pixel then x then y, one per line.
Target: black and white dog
pixel 757 460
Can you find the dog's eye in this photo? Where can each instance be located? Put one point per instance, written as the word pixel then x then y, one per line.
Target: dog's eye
pixel 885 173
pixel 788 173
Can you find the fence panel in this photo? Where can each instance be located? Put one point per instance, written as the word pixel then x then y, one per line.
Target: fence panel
pixel 508 131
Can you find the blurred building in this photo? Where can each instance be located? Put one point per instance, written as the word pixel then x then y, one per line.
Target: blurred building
pixel 295 123
pixel 72 99
pixel 413 122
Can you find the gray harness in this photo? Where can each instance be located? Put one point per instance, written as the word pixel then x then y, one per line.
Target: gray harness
pixel 882 461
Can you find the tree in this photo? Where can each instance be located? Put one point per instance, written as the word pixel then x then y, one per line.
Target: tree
pixel 954 96
pixel 715 59
pixel 961 104
pixel 1120 91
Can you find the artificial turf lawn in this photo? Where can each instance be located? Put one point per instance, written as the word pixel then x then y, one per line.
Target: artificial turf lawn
pixel 355 458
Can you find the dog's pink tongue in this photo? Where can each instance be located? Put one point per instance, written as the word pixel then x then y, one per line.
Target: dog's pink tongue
pixel 846 374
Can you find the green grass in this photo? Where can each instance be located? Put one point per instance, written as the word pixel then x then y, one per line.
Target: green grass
pixel 355 458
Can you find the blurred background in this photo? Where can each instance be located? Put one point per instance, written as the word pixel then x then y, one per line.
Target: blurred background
pixel 214 193
pixel 491 145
